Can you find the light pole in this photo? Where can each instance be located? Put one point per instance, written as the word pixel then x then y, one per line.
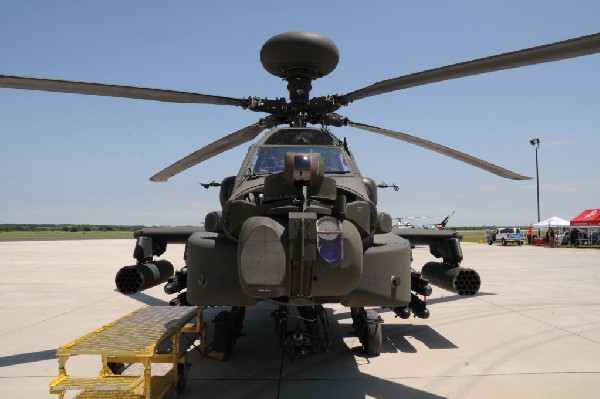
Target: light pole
pixel 536 143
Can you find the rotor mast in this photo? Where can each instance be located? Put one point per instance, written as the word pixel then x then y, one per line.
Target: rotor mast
pixel 299 58
pixel 299 87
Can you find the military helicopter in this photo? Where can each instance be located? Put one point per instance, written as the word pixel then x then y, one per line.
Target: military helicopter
pixel 409 222
pixel 298 226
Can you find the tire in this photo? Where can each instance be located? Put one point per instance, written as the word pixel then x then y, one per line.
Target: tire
pixel 357 321
pixel 181 376
pixel 224 332
pixel 374 335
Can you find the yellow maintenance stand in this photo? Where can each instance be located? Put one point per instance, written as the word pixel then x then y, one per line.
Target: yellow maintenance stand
pixel 152 334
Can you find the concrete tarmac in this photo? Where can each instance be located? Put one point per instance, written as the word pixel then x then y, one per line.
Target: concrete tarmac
pixel 532 332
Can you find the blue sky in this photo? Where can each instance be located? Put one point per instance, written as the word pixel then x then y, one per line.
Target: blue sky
pixel 68 158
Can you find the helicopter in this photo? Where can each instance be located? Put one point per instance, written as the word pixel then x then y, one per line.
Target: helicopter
pixel 298 225
pixel 408 221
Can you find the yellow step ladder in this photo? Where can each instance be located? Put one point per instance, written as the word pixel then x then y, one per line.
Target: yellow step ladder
pixel 152 334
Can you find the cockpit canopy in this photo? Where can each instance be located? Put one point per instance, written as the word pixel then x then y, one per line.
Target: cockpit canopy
pixel 269 155
pixel 270 159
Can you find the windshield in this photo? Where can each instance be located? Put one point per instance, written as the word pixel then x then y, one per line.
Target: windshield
pixel 271 159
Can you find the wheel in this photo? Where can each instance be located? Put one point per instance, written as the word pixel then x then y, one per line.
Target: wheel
pixel 490 242
pixel 181 376
pixel 224 332
pixel 238 314
pixel 357 321
pixel 519 243
pixel 374 335
pixel 374 339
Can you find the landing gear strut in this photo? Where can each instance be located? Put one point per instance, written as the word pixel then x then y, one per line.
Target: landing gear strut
pixel 311 334
pixel 368 325
pixel 228 328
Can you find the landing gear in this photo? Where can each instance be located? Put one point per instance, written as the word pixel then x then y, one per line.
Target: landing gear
pixel 228 328
pixel 367 325
pixel 310 335
pixel 182 370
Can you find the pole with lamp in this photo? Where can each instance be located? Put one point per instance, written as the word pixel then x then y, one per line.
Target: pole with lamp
pixel 536 143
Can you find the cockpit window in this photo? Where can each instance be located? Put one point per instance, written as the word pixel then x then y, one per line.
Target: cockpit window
pixel 271 159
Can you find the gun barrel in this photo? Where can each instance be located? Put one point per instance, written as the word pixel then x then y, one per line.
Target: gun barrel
pixel 177 282
pixel 136 278
pixel 460 280
pixel 418 307
pixel 419 284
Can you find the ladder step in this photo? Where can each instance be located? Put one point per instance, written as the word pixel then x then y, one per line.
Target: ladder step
pixel 108 383
pixel 160 387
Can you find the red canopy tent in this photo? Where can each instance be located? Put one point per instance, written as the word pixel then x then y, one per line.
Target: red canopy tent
pixel 589 217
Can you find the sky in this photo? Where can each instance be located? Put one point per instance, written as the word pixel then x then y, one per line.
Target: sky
pixel 68 158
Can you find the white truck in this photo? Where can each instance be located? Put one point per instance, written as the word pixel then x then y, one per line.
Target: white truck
pixel 505 235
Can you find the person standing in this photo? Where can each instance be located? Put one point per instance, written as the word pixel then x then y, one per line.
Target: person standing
pixel 574 238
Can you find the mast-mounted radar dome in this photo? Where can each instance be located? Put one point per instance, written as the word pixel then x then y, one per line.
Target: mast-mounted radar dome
pixel 306 54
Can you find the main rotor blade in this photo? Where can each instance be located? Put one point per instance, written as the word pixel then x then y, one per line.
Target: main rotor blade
pixel 226 143
pixel 461 156
pixel 100 89
pixel 584 45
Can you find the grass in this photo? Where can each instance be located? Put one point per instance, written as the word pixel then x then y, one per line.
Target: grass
pixel 468 235
pixel 62 235
pixel 472 235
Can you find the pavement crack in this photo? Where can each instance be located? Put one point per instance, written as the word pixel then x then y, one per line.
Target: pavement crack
pixel 540 321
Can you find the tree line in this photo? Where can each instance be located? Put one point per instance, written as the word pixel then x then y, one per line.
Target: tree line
pixel 73 228
pixel 103 227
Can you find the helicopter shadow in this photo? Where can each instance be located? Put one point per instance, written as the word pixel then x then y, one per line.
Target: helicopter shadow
pixel 25 358
pixel 257 367
pixel 395 337
pixel 50 354
pixel 149 300
pixel 146 299
pixel 453 298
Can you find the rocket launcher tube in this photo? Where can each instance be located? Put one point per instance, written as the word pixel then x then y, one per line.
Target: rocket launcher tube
pixel 460 280
pixel 136 278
